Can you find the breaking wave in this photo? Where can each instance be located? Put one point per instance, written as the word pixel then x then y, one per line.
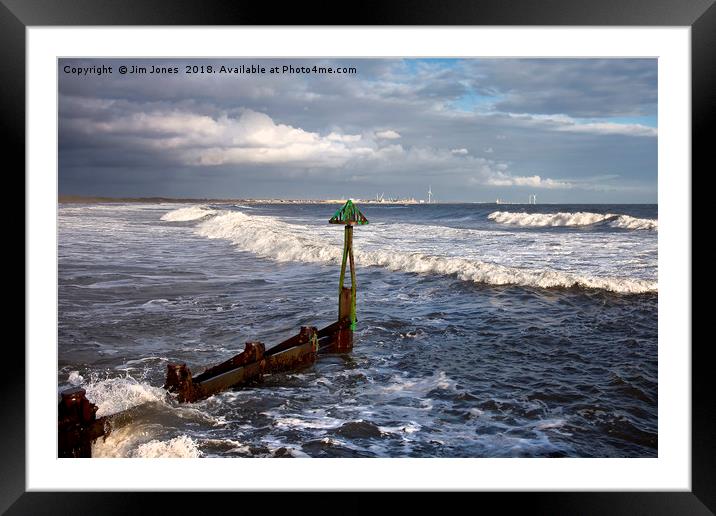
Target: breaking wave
pixel 135 441
pixel 272 238
pixel 627 222
pixel 178 447
pixel 572 219
pixel 114 395
pixel 187 214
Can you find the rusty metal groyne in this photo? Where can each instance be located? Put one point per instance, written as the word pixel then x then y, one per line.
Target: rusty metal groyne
pixel 78 425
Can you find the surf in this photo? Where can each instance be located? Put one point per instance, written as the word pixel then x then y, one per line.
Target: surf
pixel 572 219
pixel 273 238
pixel 188 214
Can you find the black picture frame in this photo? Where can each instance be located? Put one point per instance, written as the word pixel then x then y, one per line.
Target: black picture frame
pixel 700 15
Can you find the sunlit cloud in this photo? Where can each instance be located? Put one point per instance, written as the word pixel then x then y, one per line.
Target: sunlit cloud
pixel 474 128
pixel 387 135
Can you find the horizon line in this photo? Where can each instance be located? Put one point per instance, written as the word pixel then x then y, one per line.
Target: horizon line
pixel 71 198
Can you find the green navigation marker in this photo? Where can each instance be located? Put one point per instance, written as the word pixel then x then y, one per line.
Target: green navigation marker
pixel 349 215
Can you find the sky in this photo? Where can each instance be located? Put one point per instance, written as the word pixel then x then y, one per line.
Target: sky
pixel 472 130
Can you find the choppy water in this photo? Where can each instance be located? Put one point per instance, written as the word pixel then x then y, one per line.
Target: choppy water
pixel 484 331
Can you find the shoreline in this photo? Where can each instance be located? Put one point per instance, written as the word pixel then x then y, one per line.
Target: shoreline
pixel 80 199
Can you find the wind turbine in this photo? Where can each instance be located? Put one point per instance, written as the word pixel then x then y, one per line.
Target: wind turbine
pixel 430 194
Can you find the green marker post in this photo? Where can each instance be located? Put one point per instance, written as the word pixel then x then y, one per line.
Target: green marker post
pixel 349 215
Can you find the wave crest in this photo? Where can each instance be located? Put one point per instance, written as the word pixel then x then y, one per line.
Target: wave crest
pixel 187 214
pixel 179 447
pixel 114 395
pixel 270 237
pixel 580 218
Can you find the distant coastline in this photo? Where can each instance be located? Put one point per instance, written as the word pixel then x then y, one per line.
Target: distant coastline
pixel 90 199
pixel 81 199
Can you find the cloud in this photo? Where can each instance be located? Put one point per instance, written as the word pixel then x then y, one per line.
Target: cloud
pixel 576 87
pixel 450 166
pixel 254 138
pixel 565 123
pixel 398 125
pixel 387 135
pixel 611 128
pixel 501 179
pixel 251 138
pixel 348 138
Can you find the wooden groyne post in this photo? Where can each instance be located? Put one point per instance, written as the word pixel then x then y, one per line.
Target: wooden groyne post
pixel 349 215
pixel 77 424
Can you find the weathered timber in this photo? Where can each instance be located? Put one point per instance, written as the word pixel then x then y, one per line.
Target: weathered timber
pixel 343 341
pixel 248 366
pixel 179 380
pixel 77 425
pixel 233 378
pixel 328 336
pixel 240 369
pixel 253 352
pixel 296 357
pixel 286 344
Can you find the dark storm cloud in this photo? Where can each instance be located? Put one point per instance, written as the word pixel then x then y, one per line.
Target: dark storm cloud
pixel 397 125
pixel 575 87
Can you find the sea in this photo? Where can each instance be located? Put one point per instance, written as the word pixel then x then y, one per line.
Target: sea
pixel 484 330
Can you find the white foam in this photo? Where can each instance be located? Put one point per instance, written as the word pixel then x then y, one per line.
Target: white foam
pixel 178 447
pixel 188 213
pixel 268 237
pixel 117 394
pixel 122 441
pixel 627 222
pixel 418 387
pixel 409 428
pixel 316 419
pixel 75 378
pixel 571 219
pixel 272 238
pixel 493 274
pixel 156 303
pixel 228 446
pixel 550 423
pixel 135 441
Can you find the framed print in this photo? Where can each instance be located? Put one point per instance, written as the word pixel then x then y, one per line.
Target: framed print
pixel 502 197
